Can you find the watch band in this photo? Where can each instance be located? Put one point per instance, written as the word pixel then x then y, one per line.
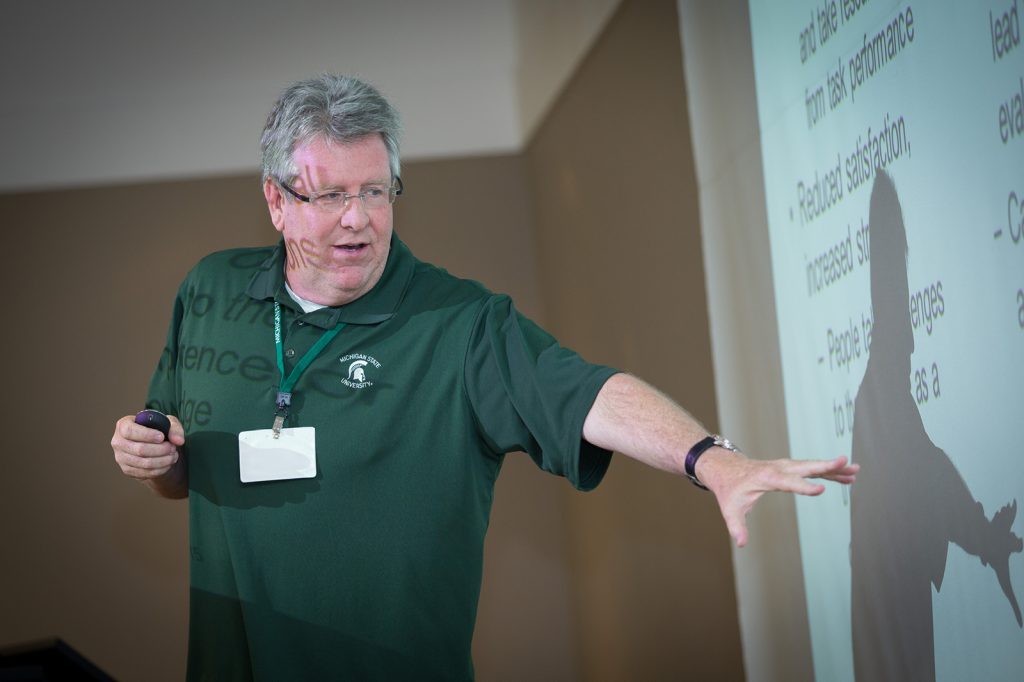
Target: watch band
pixel 699 449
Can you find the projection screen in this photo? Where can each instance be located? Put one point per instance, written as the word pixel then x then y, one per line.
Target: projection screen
pixel 877 152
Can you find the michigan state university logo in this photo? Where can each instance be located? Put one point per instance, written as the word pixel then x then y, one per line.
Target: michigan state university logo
pixel 359 370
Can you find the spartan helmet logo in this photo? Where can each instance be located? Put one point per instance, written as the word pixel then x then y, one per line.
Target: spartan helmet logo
pixel 356 373
pixel 356 369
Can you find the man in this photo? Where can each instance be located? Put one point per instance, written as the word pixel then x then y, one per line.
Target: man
pixel 357 406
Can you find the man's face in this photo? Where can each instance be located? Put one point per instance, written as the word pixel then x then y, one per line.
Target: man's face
pixel 334 258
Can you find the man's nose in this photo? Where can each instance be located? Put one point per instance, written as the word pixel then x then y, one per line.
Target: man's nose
pixel 353 213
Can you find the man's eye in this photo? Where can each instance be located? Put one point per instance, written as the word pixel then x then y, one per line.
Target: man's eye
pixel 331 197
pixel 374 192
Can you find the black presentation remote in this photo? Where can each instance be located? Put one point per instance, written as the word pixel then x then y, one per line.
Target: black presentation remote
pixel 154 420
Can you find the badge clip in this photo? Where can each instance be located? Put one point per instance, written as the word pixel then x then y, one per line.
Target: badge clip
pixel 283 402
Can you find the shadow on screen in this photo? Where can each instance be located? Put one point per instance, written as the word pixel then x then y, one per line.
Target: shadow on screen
pixel 909 502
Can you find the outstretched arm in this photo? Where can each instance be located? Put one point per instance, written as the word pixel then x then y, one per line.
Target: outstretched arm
pixel 963 520
pixel 1004 543
pixel 635 419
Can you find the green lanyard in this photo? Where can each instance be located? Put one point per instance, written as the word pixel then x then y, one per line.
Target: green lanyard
pixel 284 394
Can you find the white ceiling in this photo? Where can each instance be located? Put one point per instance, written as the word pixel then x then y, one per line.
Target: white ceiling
pixel 122 90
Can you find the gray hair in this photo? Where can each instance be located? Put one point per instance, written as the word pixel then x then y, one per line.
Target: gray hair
pixel 338 109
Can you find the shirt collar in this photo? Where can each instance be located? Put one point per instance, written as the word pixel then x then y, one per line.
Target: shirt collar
pixel 375 306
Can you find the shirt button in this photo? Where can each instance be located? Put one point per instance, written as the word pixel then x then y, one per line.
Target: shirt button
pixel 290 353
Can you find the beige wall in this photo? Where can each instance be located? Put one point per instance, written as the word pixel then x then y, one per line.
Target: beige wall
pixel 593 229
pixel 719 67
pixel 91 275
pixel 619 251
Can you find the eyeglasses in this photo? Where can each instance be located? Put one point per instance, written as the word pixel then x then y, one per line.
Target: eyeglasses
pixel 333 200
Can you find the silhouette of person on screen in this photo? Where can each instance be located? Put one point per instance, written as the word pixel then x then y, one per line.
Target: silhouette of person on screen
pixel 910 501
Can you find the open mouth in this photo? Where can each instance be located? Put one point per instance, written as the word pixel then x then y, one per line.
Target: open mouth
pixel 351 248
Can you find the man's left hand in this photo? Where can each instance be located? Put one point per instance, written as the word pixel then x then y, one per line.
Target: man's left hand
pixel 738 481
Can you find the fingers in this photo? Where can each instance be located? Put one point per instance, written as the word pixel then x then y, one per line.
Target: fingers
pixel 177 433
pixel 734 512
pixel 792 477
pixel 149 467
pixel 809 489
pixel 836 470
pixel 739 533
pixel 826 468
pixel 129 431
pixel 739 482
pixel 142 452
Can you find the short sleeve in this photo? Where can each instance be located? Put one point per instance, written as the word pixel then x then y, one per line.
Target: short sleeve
pixel 529 393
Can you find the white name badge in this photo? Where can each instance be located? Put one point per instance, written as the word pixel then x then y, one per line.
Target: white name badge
pixel 261 457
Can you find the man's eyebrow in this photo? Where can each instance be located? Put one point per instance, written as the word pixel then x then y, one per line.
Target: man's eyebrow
pixel 367 183
pixel 338 188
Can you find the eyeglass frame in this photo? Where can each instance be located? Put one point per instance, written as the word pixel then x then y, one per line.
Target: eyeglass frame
pixel 394 191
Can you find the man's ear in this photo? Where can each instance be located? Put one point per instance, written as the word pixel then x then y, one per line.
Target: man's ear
pixel 275 203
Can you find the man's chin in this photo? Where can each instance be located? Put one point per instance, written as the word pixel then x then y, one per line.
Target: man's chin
pixel 349 284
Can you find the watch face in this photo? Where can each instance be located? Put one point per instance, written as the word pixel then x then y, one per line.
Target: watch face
pixel 725 443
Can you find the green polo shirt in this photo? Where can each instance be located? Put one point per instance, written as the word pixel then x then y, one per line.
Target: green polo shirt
pixel 370 570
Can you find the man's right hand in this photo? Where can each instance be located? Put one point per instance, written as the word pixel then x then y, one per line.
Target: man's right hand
pixel 144 454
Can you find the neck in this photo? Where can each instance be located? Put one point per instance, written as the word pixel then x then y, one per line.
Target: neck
pixel 307 305
pixel 313 294
pixel 323 294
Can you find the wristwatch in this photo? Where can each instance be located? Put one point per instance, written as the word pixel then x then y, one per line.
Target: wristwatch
pixel 699 449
